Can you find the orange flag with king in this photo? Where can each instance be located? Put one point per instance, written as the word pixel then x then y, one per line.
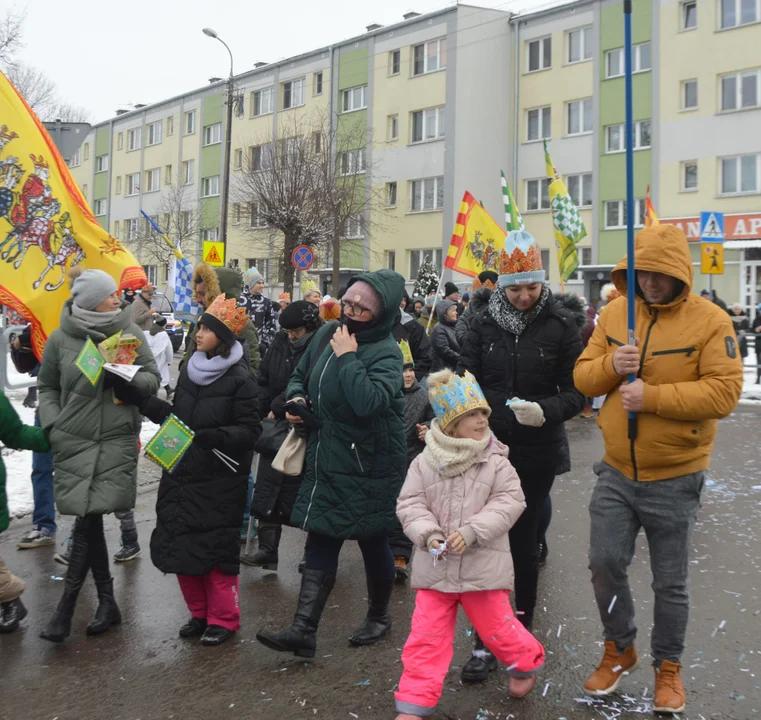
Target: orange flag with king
pixel 477 240
pixel 46 226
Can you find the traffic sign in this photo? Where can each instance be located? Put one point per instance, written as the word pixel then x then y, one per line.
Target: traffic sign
pixel 711 226
pixel 214 253
pixel 712 258
pixel 302 257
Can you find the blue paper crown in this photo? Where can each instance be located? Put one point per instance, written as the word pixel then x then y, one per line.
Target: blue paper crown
pixel 457 396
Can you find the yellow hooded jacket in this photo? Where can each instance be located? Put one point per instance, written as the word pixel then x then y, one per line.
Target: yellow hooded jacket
pixel 689 363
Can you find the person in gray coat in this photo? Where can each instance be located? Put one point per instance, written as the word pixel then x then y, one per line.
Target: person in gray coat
pixel 94 438
pixel 445 348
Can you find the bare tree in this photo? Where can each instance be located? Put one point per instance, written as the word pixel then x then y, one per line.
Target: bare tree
pixel 66 112
pixel 11 36
pixel 36 88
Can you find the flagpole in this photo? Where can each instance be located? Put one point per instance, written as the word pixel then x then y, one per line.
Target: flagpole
pixel 631 209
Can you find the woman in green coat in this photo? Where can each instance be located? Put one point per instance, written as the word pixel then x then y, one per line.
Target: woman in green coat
pixel 13 434
pixel 94 439
pixel 350 383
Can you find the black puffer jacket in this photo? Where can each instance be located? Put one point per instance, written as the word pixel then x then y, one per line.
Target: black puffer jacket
pixel 420 346
pixel 446 349
pixel 537 366
pixel 478 302
pixel 275 372
pixel 200 506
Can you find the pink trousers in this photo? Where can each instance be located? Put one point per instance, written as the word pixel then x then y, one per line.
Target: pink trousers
pixel 213 596
pixel 428 650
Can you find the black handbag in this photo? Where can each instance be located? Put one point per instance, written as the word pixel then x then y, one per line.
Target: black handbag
pixel 273 436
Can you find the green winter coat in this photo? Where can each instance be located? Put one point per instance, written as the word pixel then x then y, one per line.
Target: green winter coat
pixel 14 434
pixel 356 462
pixel 94 440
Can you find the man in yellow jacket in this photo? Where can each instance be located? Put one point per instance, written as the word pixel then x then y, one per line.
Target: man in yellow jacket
pixel 689 375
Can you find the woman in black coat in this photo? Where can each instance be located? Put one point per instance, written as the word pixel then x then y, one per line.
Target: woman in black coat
pixel 522 348
pixel 445 348
pixel 274 493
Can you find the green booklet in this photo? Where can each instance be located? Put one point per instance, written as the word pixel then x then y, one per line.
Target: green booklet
pixel 90 362
pixel 170 443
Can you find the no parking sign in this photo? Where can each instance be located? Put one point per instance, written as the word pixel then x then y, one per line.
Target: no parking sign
pixel 302 257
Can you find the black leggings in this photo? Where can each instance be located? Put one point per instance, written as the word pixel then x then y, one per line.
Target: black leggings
pixel 322 554
pixel 88 533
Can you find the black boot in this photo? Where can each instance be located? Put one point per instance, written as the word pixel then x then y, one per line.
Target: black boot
pixel 299 638
pixel 266 556
pixel 11 614
pixel 480 664
pixel 107 613
pixel 377 622
pixel 215 635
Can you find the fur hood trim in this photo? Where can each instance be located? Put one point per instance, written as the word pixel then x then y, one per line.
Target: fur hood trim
pixel 205 273
pixel 571 305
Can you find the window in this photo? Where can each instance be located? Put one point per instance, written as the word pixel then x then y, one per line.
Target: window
pixel 352 162
pixel 238 158
pixel 188 172
pixel 354 99
pixel 152 180
pixel 418 257
pixel 539 124
pixel 210 186
pixel 212 134
pixel 101 163
pixel 579 116
pixel 134 139
pixel 392 127
pixel 539 54
pixel 170 125
pixel 116 229
pixel 262 102
pixel 118 189
pixel 261 157
pixel 167 174
pixel 132 228
pixel 293 94
pixel 740 90
pixel 318 83
pixel 689 94
pixel 257 215
pixel 580 189
pixel 210 235
pixel 99 207
pixel 86 152
pixel 615 137
pixel 740 174
pixel 585 259
pixel 133 184
pixel 120 141
pixel 75 160
pixel 739 12
pixel 689 14
pixel 538 194
pixel 391 259
pixel 428 124
pixel 641 61
pixel 317 142
pixel 289 147
pixel 391 194
pixel 614 63
pixel 689 176
pixel 190 122
pixel 353 227
pixel 615 214
pixel 394 62
pixel 429 57
pixel 427 194
pixel 579 45
pixel 614 60
pixel 155 133
pixel 84 191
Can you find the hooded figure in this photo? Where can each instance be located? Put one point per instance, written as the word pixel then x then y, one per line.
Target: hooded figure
pixel 446 349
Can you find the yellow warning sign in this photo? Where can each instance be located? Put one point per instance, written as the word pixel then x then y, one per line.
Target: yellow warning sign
pixel 214 253
pixel 712 258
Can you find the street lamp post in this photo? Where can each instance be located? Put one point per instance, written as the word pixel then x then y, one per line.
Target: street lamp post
pixel 228 140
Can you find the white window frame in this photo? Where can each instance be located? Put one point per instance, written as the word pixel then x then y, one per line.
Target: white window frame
pixel 392 128
pixel 638 126
pixel 392 193
pixel 120 141
pixel 167 174
pixel 132 229
pixel 636 61
pixel 264 155
pixel 683 176
pixel 440 51
pixel 101 163
pixel 684 15
pixel 582 102
pixel 585 260
pixel 100 207
pixel 438 194
pixel 86 149
pixel 152 180
pixel 190 122
pixel 210 186
pixel 738 175
pixel 170 125
pixel 319 83
pixel 134 139
pixel 84 191
pixel 352 228
pixel 188 172
pixel 391 259
pixel 544 133
pixel 436 115
pixel 585 188
pixel 421 254
pixel 683 95
pixel 738 14
pixel 238 159
pixel 352 162
pixel 255 219
pixel 116 229
pixel 210 235
pixel 586 38
pixel 394 58
pixel 542 59
pixel 540 187
pixel 76 159
pixel 155 133
pixel 118 185
pixel 353 99
pixel 296 93
pixel 265 98
pixel 639 204
pixel 132 184
pixel 739 78
pixel 212 134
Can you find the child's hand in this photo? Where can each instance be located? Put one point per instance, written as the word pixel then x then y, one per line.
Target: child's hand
pixel 421 431
pixel 434 545
pixel 456 544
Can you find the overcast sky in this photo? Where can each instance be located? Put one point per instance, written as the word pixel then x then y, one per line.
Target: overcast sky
pixel 105 55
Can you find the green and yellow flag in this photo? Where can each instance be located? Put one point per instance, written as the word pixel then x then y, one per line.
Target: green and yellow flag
pixel 513 219
pixel 569 227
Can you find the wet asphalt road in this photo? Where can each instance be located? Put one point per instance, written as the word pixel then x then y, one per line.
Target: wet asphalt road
pixel 141 670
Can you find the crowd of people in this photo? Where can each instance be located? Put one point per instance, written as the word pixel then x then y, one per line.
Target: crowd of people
pixel 428 429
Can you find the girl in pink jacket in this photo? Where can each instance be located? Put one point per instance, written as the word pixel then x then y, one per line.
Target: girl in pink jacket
pixel 459 500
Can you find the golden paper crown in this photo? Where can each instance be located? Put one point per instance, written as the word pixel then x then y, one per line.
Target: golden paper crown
pixel 404 346
pixel 234 318
pixel 39 162
pixel 452 396
pixel 284 296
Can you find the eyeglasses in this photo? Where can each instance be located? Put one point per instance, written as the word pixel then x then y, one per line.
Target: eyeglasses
pixel 356 308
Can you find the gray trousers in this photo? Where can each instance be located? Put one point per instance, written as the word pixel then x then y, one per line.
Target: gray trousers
pixel 667 510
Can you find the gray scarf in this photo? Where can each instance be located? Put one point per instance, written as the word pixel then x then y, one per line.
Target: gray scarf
pixel 93 319
pixel 509 318
pixel 204 370
pixel 302 341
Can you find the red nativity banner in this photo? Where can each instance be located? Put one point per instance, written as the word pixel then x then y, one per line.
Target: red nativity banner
pixel 740 226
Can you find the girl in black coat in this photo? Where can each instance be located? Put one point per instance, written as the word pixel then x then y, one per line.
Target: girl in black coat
pixel 200 505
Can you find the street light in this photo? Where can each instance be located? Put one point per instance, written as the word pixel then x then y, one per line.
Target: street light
pixel 228 139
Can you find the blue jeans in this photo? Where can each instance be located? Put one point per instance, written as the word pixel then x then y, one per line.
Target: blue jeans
pixel 249 498
pixel 42 487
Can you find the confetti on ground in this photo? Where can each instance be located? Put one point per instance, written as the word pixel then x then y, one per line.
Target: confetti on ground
pixel 546 688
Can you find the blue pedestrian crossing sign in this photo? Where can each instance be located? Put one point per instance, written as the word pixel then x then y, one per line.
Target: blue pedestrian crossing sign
pixel 711 227
pixel 302 257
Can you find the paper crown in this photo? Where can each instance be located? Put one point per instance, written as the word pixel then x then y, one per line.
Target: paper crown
pixel 520 263
pixel 477 284
pixel 307 284
pixel 284 296
pixel 453 396
pixel 404 346
pixel 234 318
pixel 39 162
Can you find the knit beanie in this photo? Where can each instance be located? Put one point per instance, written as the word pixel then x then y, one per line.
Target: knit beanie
pixel 252 277
pixel 450 288
pixel 91 288
pixel 365 295
pixel 521 260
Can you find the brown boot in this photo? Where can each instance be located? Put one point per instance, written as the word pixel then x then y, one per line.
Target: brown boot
pixel 605 679
pixel 669 694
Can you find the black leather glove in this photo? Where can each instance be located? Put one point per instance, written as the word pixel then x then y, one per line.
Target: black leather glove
pixel 128 394
pixel 209 439
pixel 110 380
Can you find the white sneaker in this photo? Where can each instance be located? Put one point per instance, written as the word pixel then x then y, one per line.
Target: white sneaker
pixel 36 537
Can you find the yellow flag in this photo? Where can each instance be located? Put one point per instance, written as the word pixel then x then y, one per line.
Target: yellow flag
pixel 477 240
pixel 46 226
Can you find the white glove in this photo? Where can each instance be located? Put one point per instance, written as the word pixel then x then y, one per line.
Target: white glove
pixel 528 413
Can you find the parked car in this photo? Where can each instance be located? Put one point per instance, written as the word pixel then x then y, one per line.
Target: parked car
pixel 173 326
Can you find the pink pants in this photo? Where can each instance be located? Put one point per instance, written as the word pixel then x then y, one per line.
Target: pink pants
pixel 213 596
pixel 428 650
